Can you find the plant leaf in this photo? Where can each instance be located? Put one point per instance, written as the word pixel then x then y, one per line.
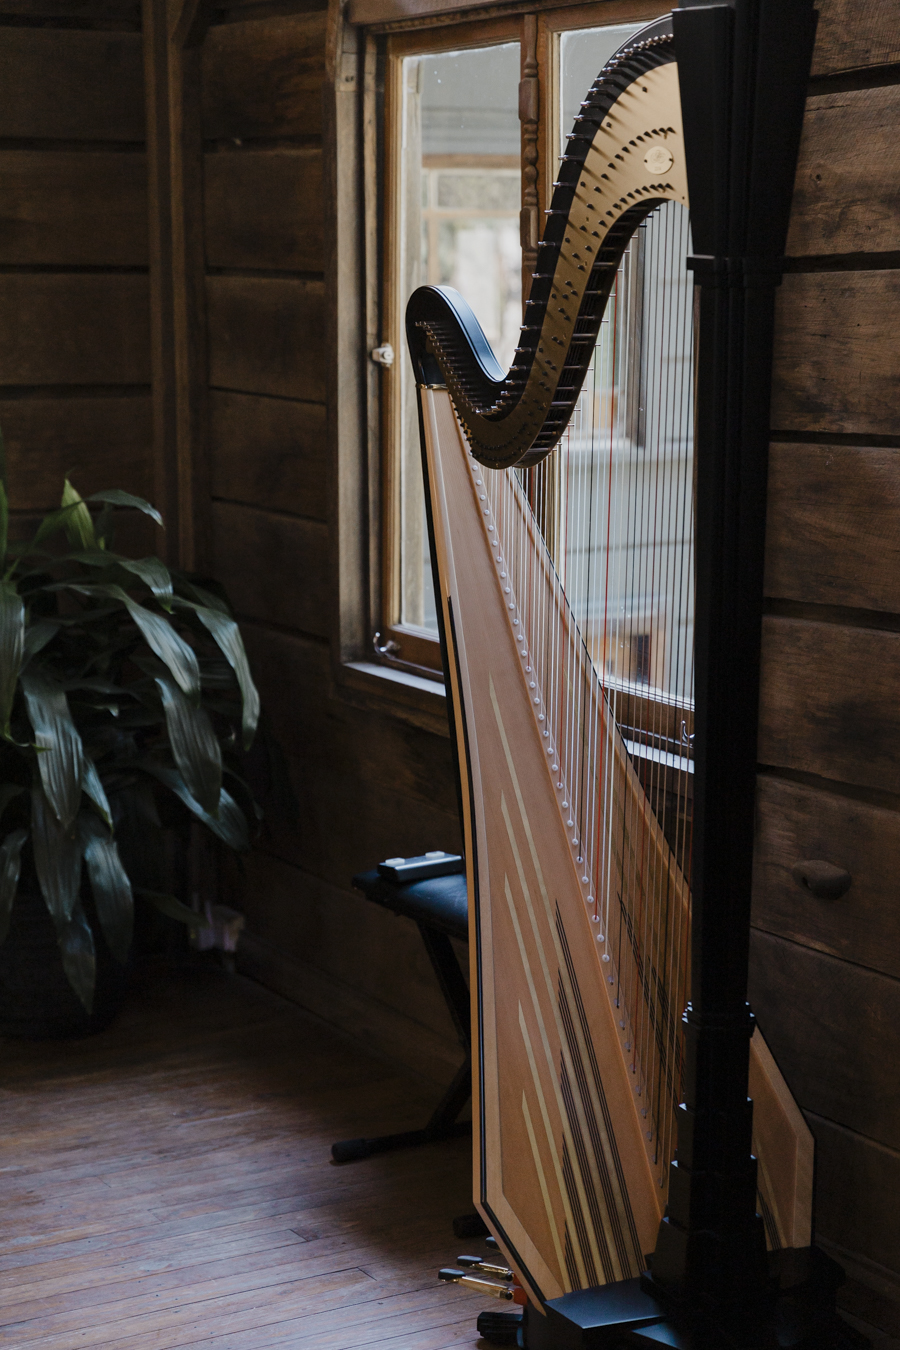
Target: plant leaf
pixel 12 647
pixel 57 859
pixel 76 946
pixel 115 497
pixel 104 528
pixel 194 745
pixel 53 521
pixel 10 866
pixel 112 890
pixel 228 638
pixel 90 782
pixel 205 597
pixel 154 574
pixel 169 647
pixel 230 825
pixel 56 735
pixel 160 637
pixel 79 526
pixel 175 909
pixel 4 521
pixel 37 635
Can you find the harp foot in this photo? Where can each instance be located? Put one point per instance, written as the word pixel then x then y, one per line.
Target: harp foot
pixel 799 1314
pixel 499 1328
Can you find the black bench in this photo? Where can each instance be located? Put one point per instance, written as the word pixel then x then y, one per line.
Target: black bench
pixel 439 906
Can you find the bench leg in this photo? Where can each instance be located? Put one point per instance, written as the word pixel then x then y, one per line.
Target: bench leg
pixel 443 1123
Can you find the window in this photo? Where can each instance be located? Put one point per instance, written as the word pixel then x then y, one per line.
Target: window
pixel 464 183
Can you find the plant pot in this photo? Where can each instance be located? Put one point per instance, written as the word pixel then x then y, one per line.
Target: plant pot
pixel 36 1000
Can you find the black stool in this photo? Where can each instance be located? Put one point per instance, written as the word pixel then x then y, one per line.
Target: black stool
pixel 440 908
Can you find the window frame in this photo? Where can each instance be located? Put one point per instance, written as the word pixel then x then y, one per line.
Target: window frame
pixel 537 29
pixel 416 648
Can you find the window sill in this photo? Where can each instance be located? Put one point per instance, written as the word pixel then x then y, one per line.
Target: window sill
pixel 399 693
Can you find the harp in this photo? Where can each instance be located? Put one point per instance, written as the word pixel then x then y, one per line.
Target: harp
pixel 597 516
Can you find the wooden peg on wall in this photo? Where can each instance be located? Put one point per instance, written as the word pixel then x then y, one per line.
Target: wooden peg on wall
pixel 823 879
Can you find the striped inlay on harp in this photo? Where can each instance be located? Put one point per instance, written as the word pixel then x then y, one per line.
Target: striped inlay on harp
pixel 561 506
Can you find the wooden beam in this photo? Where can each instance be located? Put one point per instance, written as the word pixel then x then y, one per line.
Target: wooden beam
pixel 173 33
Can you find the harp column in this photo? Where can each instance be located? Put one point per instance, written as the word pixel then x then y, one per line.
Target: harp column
pixel 743 69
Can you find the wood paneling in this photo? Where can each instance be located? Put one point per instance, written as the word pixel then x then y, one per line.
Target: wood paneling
pixel 264 209
pixel 387 962
pixel 73 209
pixel 392 780
pixel 797 823
pixel 74 329
pixel 347 824
pixel 178 315
pixel 855 33
pixel 371 1023
pixel 87 11
pixel 847 189
pixel 858 1182
pixel 263 78
pixel 274 567
pixel 828 702
pixel 269 452
pixel 834 1029
pixel 266 336
pixel 71 85
pixel 835 368
pixel 375 748
pixel 833 529
pixel 100 442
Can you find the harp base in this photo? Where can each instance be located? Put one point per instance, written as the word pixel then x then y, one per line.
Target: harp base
pixel 798 1314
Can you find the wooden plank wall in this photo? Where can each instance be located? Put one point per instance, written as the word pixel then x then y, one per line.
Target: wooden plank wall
pixel 366 784
pixel 74 355
pixel 826 973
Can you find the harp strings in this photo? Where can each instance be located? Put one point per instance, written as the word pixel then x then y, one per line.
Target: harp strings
pixel 595 551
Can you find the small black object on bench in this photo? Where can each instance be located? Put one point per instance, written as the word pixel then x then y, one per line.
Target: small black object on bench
pixel 431 890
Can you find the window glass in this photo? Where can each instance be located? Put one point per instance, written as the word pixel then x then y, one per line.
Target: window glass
pixel 583 53
pixel 459 226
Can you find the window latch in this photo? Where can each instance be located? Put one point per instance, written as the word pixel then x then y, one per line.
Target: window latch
pixel 389 649
pixel 383 355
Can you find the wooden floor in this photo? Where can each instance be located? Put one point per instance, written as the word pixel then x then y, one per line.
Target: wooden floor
pixel 168 1184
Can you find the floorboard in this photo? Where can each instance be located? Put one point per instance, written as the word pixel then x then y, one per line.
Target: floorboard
pixel 167 1184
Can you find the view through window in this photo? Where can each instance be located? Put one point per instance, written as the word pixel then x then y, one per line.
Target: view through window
pixel 616 498
pixel 460 190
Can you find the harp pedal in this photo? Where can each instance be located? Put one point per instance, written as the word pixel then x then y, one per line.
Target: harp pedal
pixel 484 1267
pixel 451 1275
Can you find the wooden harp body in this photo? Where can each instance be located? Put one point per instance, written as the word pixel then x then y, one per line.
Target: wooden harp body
pixel 579 886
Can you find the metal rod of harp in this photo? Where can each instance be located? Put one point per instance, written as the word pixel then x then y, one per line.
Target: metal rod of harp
pixel 597 520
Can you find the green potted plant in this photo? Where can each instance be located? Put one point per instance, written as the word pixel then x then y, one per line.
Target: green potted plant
pixel 122 683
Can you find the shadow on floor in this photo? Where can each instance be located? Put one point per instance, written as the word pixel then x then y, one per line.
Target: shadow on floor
pixel 168 1182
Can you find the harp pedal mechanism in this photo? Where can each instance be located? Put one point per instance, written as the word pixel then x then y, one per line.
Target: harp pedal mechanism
pixel 450 1275
pixel 484 1267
